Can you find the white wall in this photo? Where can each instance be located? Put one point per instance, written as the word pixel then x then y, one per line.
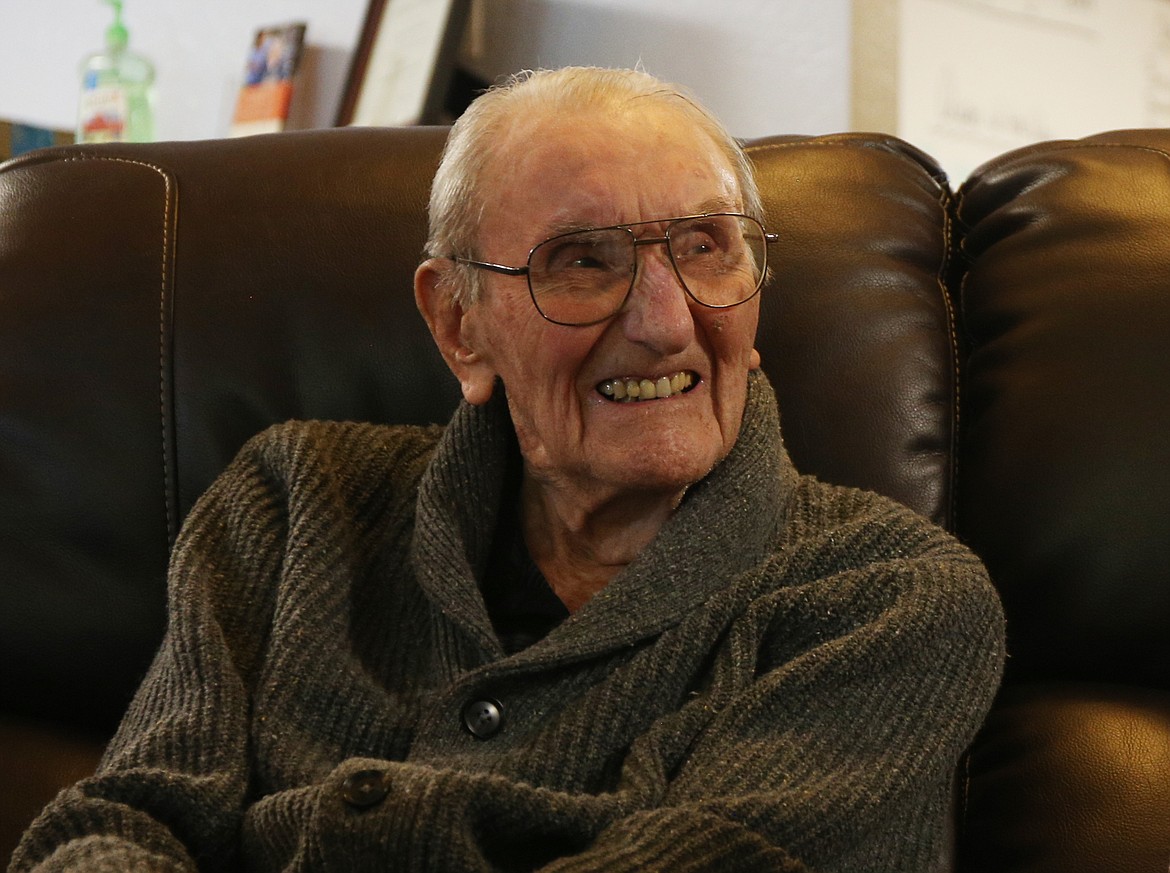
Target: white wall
pixel 1060 69
pixel 198 47
pixel 765 66
pixel 967 80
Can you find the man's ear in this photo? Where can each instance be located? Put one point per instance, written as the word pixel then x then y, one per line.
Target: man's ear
pixel 448 323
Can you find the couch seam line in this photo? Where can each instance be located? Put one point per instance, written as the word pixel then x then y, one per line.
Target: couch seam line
pixel 162 333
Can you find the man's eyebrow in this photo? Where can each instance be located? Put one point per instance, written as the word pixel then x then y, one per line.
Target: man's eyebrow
pixel 715 204
pixel 565 225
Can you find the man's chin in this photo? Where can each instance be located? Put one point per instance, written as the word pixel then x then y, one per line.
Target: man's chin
pixel 654 468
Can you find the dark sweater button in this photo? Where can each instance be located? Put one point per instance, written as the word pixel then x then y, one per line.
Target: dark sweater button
pixel 364 788
pixel 483 718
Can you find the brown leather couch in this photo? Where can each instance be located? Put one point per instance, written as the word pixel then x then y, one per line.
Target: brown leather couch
pixel 996 357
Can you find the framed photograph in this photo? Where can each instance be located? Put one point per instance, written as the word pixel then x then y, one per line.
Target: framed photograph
pixel 403 63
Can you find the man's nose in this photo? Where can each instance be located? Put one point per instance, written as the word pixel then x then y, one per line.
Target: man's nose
pixel 658 313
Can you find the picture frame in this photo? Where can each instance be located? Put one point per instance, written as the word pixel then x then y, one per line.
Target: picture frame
pixel 403 63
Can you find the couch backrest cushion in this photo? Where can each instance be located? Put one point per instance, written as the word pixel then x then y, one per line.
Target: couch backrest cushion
pixel 856 329
pixel 1065 468
pixel 83 517
pixel 158 305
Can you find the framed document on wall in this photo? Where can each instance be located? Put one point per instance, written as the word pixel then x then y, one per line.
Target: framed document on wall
pixel 403 63
pixel 1019 72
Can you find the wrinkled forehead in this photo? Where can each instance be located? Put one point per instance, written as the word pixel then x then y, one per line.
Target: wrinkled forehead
pixel 632 132
pixel 605 167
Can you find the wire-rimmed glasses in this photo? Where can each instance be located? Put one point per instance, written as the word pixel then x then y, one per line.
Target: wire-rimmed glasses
pixel 584 276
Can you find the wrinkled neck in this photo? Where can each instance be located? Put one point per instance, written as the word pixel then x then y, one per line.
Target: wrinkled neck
pixel 582 541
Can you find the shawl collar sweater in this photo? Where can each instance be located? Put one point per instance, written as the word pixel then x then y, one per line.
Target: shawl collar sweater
pixel 782 680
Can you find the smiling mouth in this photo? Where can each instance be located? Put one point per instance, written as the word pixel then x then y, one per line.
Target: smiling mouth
pixel 633 389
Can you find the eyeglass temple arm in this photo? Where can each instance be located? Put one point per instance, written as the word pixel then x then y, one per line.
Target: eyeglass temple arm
pixel 495 268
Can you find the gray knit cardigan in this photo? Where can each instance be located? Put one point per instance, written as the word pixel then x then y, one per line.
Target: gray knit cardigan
pixel 783 680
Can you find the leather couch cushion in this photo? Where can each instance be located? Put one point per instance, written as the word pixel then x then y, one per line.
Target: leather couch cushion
pixel 1064 466
pixel 1069 778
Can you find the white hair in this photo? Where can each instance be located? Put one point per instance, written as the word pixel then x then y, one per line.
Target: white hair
pixel 456 203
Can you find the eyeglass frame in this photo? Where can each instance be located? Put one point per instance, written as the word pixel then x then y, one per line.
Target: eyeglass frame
pixel 526 270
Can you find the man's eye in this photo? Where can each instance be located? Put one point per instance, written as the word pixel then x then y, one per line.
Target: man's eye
pixel 582 257
pixel 695 244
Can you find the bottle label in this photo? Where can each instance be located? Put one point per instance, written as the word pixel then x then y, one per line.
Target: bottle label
pixel 103 114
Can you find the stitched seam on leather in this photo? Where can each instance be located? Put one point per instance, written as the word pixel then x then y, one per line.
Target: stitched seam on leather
pixel 958 303
pixel 956 392
pixel 162 332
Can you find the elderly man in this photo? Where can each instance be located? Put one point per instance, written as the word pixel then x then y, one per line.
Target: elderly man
pixel 598 622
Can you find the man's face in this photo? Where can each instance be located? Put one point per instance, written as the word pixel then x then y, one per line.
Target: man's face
pixel 589 172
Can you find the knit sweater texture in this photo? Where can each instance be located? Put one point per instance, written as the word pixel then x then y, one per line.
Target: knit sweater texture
pixel 783 680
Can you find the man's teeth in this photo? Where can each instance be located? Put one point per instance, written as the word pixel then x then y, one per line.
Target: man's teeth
pixel 646 389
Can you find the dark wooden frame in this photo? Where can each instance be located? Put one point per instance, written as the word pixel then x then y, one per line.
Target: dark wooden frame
pixel 371 38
